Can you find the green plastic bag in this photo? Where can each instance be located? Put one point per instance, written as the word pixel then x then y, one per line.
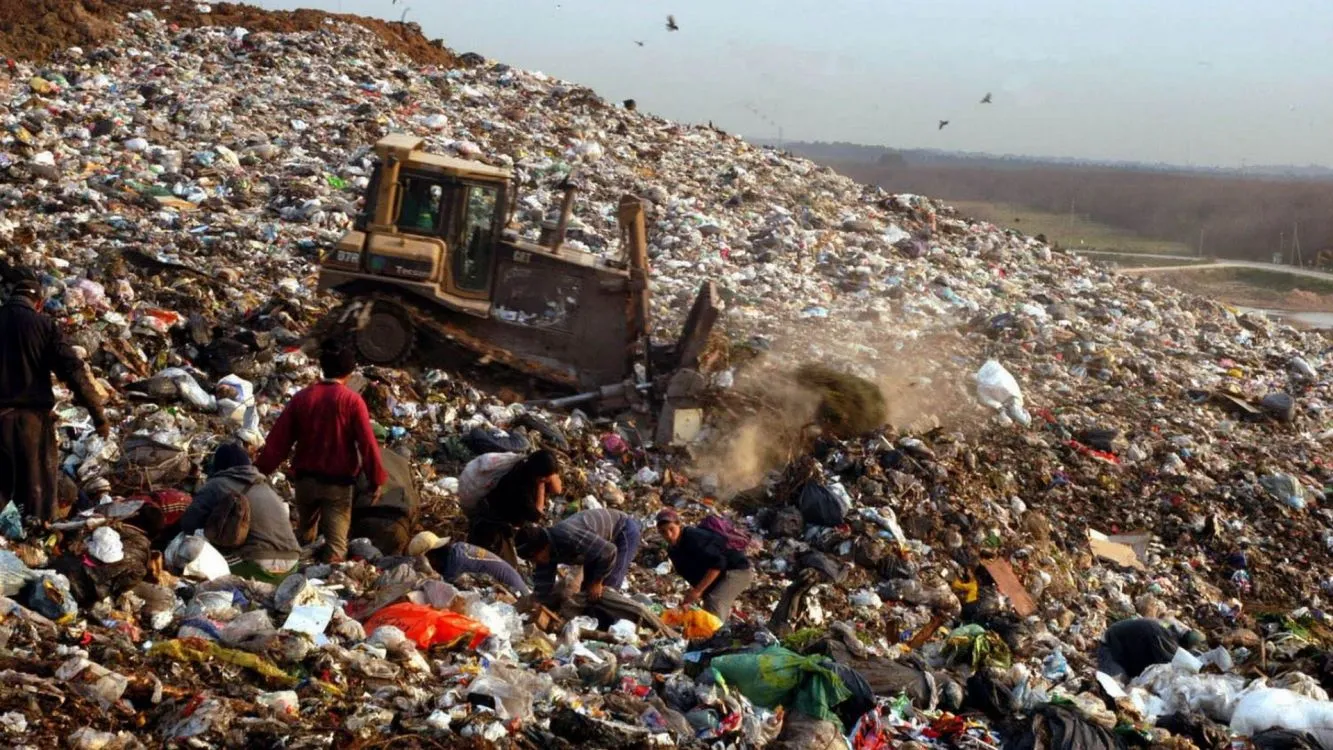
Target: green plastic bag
pixel 779 677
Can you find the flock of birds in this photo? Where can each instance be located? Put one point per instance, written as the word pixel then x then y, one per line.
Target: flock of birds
pixel 670 26
pixel 984 100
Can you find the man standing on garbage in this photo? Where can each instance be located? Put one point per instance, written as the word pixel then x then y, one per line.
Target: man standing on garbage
pixel 716 573
pixel 32 348
pixel 329 425
pixel 269 551
pixel 602 540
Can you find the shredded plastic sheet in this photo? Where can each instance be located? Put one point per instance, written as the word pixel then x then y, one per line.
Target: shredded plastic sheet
pixel 197 649
pixel 430 627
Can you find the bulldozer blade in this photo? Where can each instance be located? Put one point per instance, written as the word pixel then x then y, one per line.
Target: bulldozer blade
pixel 698 326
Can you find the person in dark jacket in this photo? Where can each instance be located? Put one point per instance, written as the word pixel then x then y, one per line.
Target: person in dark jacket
pixel 32 349
pixel 717 574
pixel 602 540
pixel 329 426
pixel 1131 646
pixel 270 551
pixel 386 517
pixel 518 498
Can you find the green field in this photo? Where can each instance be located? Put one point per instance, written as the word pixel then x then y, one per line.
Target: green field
pixel 1076 233
pixel 1259 278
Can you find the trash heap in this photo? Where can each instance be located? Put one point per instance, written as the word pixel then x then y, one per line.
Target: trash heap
pixel 1065 448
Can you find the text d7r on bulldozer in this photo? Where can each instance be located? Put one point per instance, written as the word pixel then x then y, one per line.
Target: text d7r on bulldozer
pixel 434 254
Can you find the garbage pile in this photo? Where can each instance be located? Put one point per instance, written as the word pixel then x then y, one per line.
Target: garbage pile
pixel 1065 448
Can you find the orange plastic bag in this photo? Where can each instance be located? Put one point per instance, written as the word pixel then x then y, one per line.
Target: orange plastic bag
pixel 430 627
pixel 696 623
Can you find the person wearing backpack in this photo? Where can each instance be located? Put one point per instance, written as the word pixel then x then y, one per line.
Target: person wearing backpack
pixel 516 498
pixel 717 573
pixel 244 518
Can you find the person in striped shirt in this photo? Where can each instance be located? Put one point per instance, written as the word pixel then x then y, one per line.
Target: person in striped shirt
pixel 602 540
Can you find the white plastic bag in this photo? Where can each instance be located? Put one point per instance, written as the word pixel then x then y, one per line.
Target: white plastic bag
pixel 239 409
pixel 996 388
pixel 1180 690
pixel 1273 708
pixel 625 631
pixel 189 388
pixel 106 546
pixel 311 619
pixel 482 474
pixel 194 557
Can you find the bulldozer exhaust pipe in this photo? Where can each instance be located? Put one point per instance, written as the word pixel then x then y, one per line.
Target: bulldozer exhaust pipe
pixel 555 237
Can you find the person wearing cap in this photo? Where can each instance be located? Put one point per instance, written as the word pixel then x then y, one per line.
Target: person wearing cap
pixel 327 432
pixel 716 573
pixel 602 540
pixel 453 560
pixel 32 349
pixel 270 550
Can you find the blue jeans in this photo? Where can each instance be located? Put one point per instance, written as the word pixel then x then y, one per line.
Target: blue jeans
pixel 466 559
pixel 627 546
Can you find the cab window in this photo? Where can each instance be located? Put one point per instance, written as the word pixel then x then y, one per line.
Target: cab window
pixel 472 248
pixel 421 210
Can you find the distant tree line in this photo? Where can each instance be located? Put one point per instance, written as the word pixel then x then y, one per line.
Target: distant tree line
pixel 1240 217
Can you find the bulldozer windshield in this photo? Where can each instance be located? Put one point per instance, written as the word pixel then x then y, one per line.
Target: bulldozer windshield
pixel 420 209
pixel 475 241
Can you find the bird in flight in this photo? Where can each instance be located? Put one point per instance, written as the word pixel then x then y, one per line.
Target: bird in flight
pixel 636 41
pixel 986 99
pixel 671 24
pixel 943 123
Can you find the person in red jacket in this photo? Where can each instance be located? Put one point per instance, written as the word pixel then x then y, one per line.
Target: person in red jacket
pixel 334 444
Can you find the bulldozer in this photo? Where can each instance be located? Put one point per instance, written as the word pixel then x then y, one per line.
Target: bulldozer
pixel 436 253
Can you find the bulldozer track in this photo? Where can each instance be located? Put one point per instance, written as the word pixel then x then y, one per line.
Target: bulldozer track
pixel 339 323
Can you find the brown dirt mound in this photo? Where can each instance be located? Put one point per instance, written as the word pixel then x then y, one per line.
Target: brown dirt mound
pixel 33 29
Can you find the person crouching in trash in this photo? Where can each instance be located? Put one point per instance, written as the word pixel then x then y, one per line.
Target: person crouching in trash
pixel 602 540
pixel 453 560
pixel 264 548
pixel 717 574
pixel 518 498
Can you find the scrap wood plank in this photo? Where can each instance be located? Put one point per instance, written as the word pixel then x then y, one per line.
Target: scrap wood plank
pixel 1010 586
pixel 1121 549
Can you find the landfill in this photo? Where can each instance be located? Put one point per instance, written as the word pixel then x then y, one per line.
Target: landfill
pixel 1063 448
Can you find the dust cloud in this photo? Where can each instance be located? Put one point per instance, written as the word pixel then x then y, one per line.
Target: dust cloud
pixel 924 389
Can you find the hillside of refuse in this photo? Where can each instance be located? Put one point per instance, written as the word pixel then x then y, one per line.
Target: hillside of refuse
pixel 173 174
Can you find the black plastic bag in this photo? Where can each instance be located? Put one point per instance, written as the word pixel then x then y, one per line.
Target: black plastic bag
pixel 549 432
pixel 1054 727
pixel 1284 739
pixel 819 505
pixel 481 441
pixel 862 700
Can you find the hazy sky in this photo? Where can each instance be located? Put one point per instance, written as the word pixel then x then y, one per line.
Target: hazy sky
pixel 1221 82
